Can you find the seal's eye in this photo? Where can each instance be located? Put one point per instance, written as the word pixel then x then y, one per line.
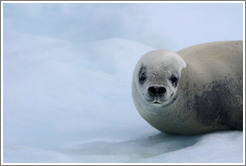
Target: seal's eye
pixel 142 77
pixel 142 74
pixel 174 80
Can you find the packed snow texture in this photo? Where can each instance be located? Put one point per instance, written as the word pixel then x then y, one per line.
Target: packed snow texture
pixel 67 71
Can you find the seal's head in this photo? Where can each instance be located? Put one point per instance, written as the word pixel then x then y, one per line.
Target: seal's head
pixel 156 77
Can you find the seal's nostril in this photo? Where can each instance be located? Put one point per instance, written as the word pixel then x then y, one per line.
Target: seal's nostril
pixel 162 90
pixel 152 90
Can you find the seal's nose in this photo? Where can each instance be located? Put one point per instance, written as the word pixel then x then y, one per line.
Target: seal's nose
pixel 157 90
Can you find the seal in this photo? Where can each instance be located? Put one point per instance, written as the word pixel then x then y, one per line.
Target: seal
pixel 196 90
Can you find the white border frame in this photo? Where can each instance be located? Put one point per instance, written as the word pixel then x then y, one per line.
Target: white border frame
pixel 115 2
pixel 127 1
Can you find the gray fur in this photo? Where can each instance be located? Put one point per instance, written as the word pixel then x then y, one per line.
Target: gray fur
pixel 208 93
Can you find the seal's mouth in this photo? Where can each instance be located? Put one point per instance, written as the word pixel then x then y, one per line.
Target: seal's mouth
pixel 163 101
pixel 156 102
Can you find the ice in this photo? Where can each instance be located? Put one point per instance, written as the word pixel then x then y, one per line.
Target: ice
pixel 67 72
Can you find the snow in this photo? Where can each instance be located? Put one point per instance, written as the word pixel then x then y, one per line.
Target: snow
pixel 67 71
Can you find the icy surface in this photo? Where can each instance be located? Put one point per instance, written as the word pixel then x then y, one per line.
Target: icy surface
pixel 67 81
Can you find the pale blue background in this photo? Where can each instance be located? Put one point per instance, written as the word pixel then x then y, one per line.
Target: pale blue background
pixel 67 80
pixel 159 25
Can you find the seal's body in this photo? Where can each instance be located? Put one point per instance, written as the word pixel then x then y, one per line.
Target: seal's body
pixel 197 90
